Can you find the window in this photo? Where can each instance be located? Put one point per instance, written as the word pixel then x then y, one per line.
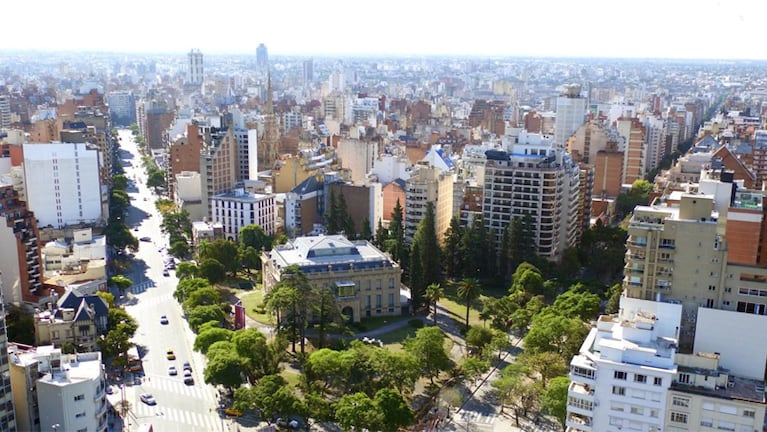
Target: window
pixel 378 301
pixel 391 283
pixel 728 409
pixel 707 422
pixel 79 397
pixel 678 417
pixel 620 391
pixel 640 378
pixel 681 402
pixel 391 300
pixel 708 406
pixel 684 378
pixel 637 410
pixel 378 284
pixel 80 415
pixel 654 413
pixel 749 413
pixel 620 375
pixel 658 381
pixel 582 372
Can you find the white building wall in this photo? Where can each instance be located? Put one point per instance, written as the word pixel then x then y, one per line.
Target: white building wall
pixel 62 183
pixel 9 265
pixel 234 213
pixel 389 168
pixel 75 399
pixel 357 156
pixel 253 153
pixel 376 205
pixel 742 355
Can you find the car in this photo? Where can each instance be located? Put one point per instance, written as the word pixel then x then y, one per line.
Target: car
pixel 164 320
pixel 170 355
pixel 187 367
pixel 135 229
pixel 188 377
pixel 148 399
pixel 172 370
pixel 233 412
pixel 145 239
pixel 165 273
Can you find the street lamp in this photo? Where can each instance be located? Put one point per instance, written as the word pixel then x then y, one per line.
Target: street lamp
pixel 55 427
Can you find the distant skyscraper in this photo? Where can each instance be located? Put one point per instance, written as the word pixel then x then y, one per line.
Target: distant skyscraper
pixel 268 145
pixel 5 111
pixel 122 108
pixel 194 73
pixel 571 114
pixel 262 57
pixel 308 71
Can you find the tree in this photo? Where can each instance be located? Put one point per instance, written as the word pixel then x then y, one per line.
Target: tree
pixel 382 234
pixel 20 325
pixel 357 411
pixel 582 305
pixel 326 369
pixel 390 369
pixel 638 195
pixel 187 286
pixel 517 392
pixel 119 182
pixel 325 309
pixel 397 233
pixel 550 332
pixel 177 224
pixel 434 292
pixel 209 336
pixel 346 221
pixel 202 314
pixel 224 251
pixel 202 297
pixel 554 399
pixel 477 249
pixel 473 367
pixel 613 298
pixel 223 368
pixel 477 338
pixel 469 290
pixel 365 233
pixel 212 270
pixel 179 249
pixel 394 410
pixel 500 311
pixel 293 298
pixel 155 179
pixel 427 246
pixel 250 259
pixel 108 297
pixel 186 270
pixel 259 358
pixel 332 216
pixel 453 249
pixel 519 238
pixel 254 236
pixel 428 347
pixel 271 397
pixel 547 365
pixel 119 317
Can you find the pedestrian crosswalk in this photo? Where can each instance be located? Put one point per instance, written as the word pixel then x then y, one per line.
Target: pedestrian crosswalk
pixel 202 419
pixel 175 385
pixel 141 286
pixel 475 417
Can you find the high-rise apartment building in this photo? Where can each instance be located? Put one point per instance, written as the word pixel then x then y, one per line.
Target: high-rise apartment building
pixel 571 114
pixel 122 108
pixel 428 184
pixel 539 179
pixel 238 209
pixel 20 259
pixel 634 150
pixel 308 71
pixel 8 417
pixel 218 165
pixel 194 72
pixel 621 376
pixel 71 193
pixel 67 391
pixel 262 58
pixel 5 111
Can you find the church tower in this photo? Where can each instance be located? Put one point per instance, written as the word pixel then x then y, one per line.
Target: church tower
pixel 269 144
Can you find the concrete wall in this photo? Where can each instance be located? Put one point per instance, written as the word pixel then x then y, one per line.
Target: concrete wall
pixel 738 337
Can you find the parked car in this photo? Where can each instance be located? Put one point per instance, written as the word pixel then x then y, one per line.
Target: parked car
pixel 187 366
pixel 188 379
pixel 170 354
pixel 145 239
pixel 164 320
pixel 172 370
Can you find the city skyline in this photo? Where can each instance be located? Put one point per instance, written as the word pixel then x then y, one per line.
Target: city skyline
pixel 684 29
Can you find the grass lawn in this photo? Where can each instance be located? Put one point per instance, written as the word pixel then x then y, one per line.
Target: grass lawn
pixel 251 301
pixel 291 377
pixel 457 308
pixel 373 323
pixel 393 339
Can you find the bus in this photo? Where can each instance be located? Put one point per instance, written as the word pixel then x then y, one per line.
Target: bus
pixel 134 360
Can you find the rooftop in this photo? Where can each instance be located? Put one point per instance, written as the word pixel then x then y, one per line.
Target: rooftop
pixel 738 388
pixel 329 252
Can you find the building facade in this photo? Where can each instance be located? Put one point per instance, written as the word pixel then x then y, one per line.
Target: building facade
pixel 364 280
pixel 238 209
pixel 538 179
pixel 21 270
pixel 428 184
pixel 73 194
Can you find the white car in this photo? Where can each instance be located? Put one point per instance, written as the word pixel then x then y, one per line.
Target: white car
pixel 148 399
pixel 172 370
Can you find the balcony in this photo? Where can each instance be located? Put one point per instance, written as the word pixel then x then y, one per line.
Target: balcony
pixel 578 422
pixel 582 391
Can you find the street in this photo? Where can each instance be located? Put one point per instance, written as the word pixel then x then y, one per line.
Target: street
pixel 179 407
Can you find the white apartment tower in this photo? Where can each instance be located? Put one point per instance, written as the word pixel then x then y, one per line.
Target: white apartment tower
pixel 571 114
pixel 62 184
pixel 238 209
pixel 621 376
pixel 195 72
pixel 428 184
pixel 539 179
pixel 5 111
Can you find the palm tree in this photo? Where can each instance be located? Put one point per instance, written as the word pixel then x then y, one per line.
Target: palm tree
pixel 434 292
pixel 468 290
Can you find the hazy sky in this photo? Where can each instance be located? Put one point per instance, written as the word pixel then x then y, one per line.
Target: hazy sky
pixel 715 29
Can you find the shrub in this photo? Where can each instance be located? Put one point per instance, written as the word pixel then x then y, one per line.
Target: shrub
pixel 415 323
